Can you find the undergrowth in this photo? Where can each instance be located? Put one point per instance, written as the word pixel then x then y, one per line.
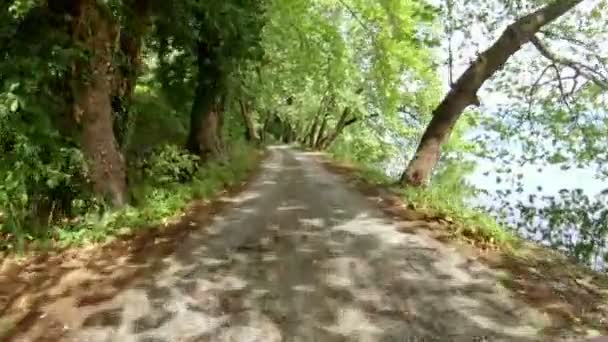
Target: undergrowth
pixel 445 198
pixel 45 190
pixel 442 200
pixel 164 196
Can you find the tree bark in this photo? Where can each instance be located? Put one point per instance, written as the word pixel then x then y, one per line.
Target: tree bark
pixel 266 127
pixel 321 133
pixel 288 132
pixel 310 138
pixel 250 133
pixel 211 135
pixel 206 122
pixel 137 23
pixel 92 88
pixel 464 91
pixel 343 122
pixel 205 117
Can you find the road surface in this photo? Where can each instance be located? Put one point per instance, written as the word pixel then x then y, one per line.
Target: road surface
pixel 302 256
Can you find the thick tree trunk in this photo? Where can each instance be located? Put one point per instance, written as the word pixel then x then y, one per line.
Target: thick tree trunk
pixel 464 91
pixel 92 104
pixel 250 133
pixel 210 138
pixel 205 126
pixel 205 117
pixel 137 23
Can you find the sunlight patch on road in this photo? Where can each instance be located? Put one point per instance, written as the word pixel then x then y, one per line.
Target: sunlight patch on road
pixel 304 288
pixel 291 207
pixel 269 257
pixel 312 222
pixel 364 225
pixel 354 322
pixel 306 250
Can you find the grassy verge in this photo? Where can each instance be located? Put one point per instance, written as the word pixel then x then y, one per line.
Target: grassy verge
pixel 445 201
pixel 167 212
pixel 156 202
pixel 471 224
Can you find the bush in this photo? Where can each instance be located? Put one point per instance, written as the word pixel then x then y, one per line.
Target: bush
pixel 43 177
pixel 169 164
pixel 158 200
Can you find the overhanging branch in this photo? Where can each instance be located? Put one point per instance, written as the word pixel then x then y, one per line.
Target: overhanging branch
pixel 355 16
pixel 584 70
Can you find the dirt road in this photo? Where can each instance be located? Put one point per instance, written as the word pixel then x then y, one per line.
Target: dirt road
pixel 300 256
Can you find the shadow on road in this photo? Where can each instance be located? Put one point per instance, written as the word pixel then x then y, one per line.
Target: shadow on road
pixel 301 257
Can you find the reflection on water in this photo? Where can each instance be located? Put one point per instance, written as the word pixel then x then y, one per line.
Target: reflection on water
pixel 533 221
pixel 539 181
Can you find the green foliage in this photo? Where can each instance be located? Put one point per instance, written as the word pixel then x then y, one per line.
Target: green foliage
pixel 323 57
pixel 157 201
pixel 362 72
pixel 364 147
pixel 170 164
pixel 45 191
pixel 43 176
pixel 448 197
pixel 156 122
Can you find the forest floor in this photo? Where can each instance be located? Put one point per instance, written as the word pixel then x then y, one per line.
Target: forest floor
pixel 306 252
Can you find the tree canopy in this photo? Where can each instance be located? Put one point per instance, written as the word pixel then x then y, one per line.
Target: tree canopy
pixel 93 92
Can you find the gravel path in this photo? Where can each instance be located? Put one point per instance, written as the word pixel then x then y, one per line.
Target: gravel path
pixel 301 256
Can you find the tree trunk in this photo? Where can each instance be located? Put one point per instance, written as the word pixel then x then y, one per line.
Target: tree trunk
pixel 204 137
pixel 250 133
pixel 211 134
pixel 205 117
pixel 302 139
pixel 310 138
pixel 287 132
pixel 321 133
pixel 94 29
pixel 464 91
pixel 343 122
pixel 266 127
pixel 137 23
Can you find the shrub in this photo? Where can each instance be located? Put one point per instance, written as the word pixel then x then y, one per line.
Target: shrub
pixel 169 164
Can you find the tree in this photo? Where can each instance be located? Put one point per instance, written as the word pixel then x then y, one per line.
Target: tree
pixel 136 23
pixel 219 53
pixel 339 65
pixel 464 92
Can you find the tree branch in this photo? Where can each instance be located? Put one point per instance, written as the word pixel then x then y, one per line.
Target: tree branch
pixel 356 16
pixel 450 51
pixel 533 89
pixel 584 70
pixel 561 87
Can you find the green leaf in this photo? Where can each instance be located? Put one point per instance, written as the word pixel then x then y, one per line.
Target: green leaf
pixel 14 107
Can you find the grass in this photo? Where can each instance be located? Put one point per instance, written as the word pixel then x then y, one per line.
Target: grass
pixel 472 224
pixel 157 204
pixel 445 199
